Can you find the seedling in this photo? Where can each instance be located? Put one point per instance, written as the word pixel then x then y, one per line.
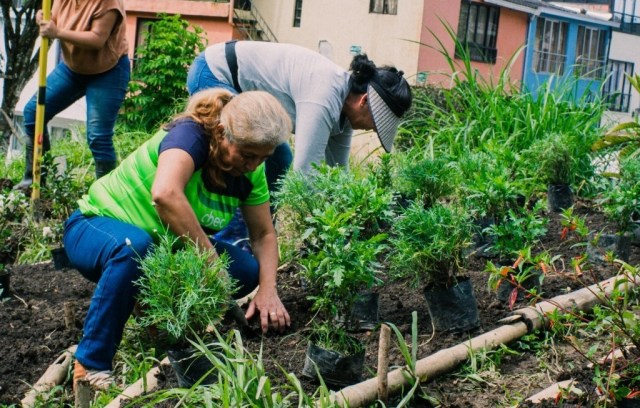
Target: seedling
pixel 572 224
pixel 183 290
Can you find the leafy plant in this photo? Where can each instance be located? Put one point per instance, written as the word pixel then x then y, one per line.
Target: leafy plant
pixel 572 223
pixel 184 290
pixel 335 338
pixel 338 262
pixel 525 275
pixel 428 244
pixel 621 202
pixel 555 160
pixel 488 190
pixel 301 195
pixel 425 179
pixel 160 72
pixel 518 230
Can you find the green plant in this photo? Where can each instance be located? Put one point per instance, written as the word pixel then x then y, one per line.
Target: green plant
pixel 525 275
pixel 428 244
pixel 572 223
pixel 242 380
pixel 555 160
pixel 518 230
pixel 608 337
pixel 301 196
pixel 338 262
pixel 489 189
pixel 621 202
pixel 160 72
pixel 336 338
pixel 182 290
pixel 425 179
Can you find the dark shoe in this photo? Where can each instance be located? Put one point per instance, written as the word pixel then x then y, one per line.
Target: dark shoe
pixel 27 179
pixel 24 185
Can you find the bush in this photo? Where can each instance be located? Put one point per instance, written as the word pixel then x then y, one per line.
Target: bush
pixel 159 77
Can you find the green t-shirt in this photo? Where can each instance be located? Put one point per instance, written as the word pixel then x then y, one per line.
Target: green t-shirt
pixel 125 193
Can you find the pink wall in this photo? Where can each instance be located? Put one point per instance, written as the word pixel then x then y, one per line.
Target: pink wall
pixel 512 31
pixel 212 17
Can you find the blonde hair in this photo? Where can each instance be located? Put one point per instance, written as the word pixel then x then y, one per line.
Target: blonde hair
pixel 253 118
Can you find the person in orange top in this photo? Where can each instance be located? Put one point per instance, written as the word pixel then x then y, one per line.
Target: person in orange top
pixel 94 64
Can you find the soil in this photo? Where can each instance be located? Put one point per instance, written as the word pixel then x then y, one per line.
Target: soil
pixel 33 332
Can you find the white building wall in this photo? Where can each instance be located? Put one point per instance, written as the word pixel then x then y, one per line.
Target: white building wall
pixel 335 26
pixel 624 47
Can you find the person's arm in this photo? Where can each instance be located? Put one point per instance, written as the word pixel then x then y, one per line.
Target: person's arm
pixel 95 38
pixel 175 168
pixel 265 248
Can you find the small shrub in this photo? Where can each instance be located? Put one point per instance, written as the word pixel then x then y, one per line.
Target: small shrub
pixel 428 244
pixel 183 290
pixel 519 229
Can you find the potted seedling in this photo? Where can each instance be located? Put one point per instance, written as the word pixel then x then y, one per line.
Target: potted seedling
pixel 522 279
pixel 621 204
pixel 554 165
pixel 362 205
pixel 519 229
pixel 424 179
pixel 488 192
pixel 182 293
pixel 428 251
pixel 339 266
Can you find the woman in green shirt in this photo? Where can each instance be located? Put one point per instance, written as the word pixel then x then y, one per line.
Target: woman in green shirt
pixel 188 179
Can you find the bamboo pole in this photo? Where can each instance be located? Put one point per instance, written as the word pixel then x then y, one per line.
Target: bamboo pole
pixel 42 87
pixel 444 361
pixel 54 375
pixel 146 384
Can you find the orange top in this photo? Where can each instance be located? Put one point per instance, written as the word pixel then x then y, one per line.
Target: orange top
pixel 78 15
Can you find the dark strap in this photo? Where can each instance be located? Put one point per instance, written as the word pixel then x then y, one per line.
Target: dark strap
pixel 232 61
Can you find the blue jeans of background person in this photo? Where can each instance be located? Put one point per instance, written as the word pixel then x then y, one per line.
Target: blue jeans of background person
pixel 200 78
pixel 105 251
pixel 104 93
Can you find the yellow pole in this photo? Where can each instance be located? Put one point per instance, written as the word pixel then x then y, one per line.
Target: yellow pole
pixel 42 87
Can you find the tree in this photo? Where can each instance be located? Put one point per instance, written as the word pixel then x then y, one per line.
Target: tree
pixel 159 77
pixel 20 61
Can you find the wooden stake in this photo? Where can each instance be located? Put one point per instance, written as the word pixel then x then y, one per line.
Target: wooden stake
pixel 383 363
pixel 83 394
pixel 69 315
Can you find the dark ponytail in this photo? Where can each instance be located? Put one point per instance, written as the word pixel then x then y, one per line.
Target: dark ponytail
pixel 387 78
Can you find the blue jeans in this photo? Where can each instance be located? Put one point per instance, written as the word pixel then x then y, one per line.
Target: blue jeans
pixel 104 93
pixel 98 248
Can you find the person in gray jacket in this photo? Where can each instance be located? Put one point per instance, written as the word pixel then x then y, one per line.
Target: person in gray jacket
pixel 325 102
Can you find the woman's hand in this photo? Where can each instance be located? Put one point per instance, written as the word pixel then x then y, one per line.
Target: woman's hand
pixel 48 29
pixel 272 312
